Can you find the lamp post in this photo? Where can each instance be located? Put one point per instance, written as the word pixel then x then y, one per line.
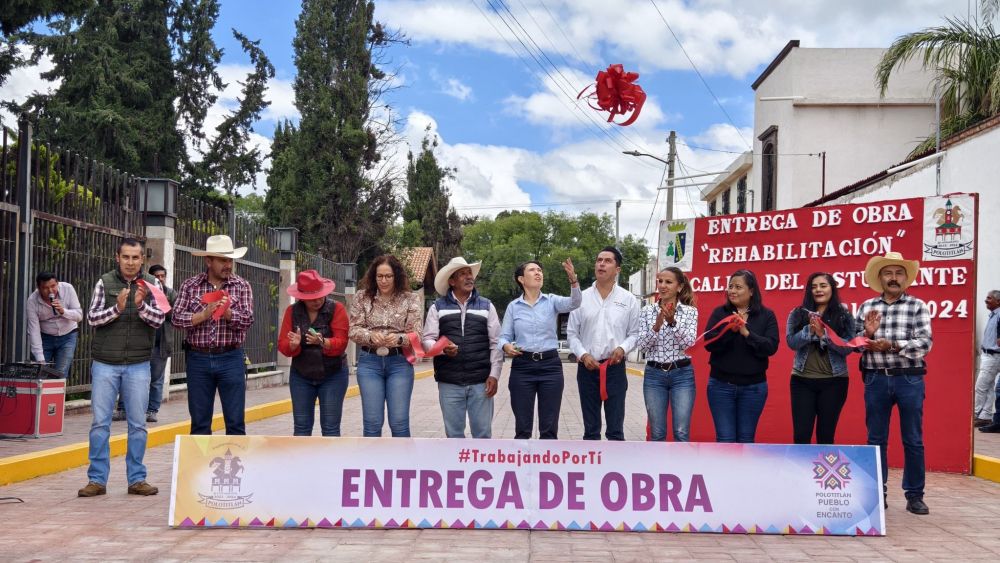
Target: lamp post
pixel 288 242
pixel 158 201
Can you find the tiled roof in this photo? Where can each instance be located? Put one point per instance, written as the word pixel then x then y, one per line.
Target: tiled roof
pixel 418 260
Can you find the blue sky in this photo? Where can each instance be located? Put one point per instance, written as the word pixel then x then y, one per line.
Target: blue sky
pixel 516 138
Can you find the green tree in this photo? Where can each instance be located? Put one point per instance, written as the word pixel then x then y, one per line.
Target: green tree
pixel 230 162
pixel 965 58
pixel 323 178
pixel 116 97
pixel 428 205
pixel 16 16
pixel 514 237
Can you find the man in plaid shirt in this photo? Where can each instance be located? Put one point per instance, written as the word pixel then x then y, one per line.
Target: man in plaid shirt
pixel 215 345
pixel 893 368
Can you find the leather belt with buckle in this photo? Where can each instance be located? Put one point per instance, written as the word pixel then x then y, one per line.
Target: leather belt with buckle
pixel 214 349
pixel 538 356
pixel 897 371
pixel 670 365
pixel 383 351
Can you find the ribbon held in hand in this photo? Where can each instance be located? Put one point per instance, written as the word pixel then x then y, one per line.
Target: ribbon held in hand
pixel 417 352
pixel 856 342
pixel 214 296
pixel 162 303
pixel 732 322
pixel 615 92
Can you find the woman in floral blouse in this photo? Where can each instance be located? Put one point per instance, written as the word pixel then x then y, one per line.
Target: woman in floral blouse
pixel 382 314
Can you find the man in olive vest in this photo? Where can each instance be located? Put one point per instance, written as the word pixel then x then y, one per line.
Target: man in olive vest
pixel 468 371
pixel 125 318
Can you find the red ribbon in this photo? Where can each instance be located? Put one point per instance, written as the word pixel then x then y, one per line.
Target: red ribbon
pixel 214 296
pixel 162 303
pixel 856 342
pixel 604 379
pixel 417 352
pixel 733 322
pixel 616 93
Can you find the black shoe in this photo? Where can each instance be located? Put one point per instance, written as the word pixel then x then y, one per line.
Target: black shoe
pixel 885 501
pixel 916 505
pixel 990 429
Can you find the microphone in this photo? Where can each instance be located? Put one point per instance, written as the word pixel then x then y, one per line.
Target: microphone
pixel 52 297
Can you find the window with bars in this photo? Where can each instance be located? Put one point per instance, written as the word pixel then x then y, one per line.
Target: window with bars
pixel 711 208
pixel 725 201
pixel 741 195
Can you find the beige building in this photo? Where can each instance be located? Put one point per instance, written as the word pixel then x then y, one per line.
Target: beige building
pixel 820 124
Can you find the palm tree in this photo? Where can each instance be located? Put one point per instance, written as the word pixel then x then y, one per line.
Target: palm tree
pixel 965 57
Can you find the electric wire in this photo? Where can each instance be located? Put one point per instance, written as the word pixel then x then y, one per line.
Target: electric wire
pixel 698 72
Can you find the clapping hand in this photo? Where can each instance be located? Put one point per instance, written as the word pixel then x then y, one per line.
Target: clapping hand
pixel 122 299
pixel 872 321
pixel 816 325
pixel 141 291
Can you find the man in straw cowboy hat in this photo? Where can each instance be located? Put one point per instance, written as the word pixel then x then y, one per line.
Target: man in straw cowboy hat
pixel 216 326
pixel 468 371
pixel 893 367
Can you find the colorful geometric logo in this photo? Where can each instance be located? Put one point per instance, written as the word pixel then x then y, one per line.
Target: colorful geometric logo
pixel 832 471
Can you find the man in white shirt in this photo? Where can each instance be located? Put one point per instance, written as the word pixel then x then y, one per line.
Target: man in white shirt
pixel 604 327
pixel 53 321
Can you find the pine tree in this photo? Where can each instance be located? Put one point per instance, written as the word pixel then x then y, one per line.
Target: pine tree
pixel 428 205
pixel 115 101
pixel 15 17
pixel 323 179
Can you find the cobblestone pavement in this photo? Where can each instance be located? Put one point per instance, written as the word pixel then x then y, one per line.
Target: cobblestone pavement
pixel 54 525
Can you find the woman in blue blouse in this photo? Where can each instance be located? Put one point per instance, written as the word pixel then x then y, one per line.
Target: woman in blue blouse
pixel 528 335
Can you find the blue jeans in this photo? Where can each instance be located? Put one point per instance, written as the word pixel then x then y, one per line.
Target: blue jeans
pixel 589 384
pixel 674 389
pixel 106 381
pixel 225 372
pixel 385 381
pixel 907 393
pixel 457 401
pixel 736 409
pixel 157 368
pixel 330 391
pixel 60 350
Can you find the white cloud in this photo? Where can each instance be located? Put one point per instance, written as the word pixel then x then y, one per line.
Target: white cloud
pixel 24 82
pixel 588 173
pixel 730 37
pixel 456 89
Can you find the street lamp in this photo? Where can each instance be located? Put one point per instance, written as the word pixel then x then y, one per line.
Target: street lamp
pixel 158 200
pixel 287 242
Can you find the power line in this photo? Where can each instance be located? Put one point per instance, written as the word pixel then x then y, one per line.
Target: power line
pixel 698 72
pixel 552 203
pixel 700 148
pixel 655 201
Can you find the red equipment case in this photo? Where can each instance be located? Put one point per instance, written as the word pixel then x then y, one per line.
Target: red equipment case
pixel 32 407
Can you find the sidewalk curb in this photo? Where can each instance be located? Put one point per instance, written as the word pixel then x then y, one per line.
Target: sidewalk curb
pixel 54 460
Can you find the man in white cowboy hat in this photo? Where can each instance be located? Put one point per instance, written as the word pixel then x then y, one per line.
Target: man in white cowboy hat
pixel 215 328
pixel 893 367
pixel 468 371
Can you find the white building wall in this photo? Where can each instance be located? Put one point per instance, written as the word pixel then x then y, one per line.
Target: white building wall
pixel 969 166
pixel 837 109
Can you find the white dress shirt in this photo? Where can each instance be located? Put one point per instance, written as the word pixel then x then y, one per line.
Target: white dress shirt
pixel 601 325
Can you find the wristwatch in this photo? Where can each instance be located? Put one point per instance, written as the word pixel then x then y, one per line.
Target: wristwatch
pixel 399 341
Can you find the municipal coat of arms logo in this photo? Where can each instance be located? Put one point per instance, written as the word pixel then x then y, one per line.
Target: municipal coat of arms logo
pixel 949 228
pixel 226 483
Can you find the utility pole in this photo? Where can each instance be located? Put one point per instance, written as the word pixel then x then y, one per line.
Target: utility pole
pixel 618 209
pixel 671 159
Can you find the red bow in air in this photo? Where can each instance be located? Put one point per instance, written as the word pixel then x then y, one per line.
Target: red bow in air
pixel 616 92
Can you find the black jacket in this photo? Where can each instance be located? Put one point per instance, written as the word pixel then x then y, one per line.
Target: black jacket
pixel 738 359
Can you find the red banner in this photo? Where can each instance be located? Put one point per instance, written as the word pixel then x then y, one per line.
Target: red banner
pixel 783 248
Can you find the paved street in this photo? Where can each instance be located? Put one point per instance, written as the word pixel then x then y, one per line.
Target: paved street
pixel 53 524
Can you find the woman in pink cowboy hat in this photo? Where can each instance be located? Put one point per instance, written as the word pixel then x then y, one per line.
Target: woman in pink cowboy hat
pixel 314 334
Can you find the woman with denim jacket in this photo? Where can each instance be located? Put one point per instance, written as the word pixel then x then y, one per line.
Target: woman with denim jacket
pixel 819 373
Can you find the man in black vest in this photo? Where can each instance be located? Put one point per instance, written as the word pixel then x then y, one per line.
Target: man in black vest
pixel 468 371
pixel 125 318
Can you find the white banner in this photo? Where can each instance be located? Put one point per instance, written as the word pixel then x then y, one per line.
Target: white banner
pixel 266 481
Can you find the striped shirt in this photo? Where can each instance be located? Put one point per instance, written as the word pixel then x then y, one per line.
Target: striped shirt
pixel 907 322
pixel 100 314
pixel 669 344
pixel 214 333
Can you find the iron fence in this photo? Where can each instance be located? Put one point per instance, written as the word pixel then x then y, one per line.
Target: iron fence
pixel 345 274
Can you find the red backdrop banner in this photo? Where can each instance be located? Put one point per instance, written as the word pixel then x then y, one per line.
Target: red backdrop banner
pixel 783 248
